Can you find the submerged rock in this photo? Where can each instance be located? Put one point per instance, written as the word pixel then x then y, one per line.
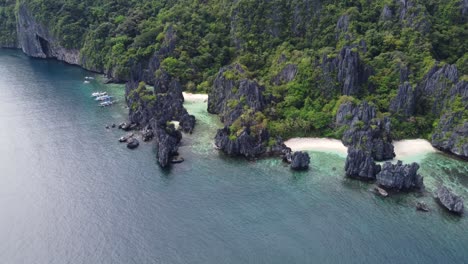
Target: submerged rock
pixel 400 177
pixel 422 206
pixel 449 200
pixel 360 165
pixel 300 160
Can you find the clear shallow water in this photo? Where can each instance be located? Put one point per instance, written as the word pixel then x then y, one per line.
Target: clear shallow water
pixel 69 193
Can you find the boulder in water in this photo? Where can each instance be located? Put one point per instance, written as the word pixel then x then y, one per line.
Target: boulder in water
pixel 400 177
pixel 449 200
pixel 133 143
pixel 300 161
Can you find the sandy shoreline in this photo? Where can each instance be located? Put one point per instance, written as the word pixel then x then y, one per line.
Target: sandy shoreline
pixel 403 148
pixel 190 97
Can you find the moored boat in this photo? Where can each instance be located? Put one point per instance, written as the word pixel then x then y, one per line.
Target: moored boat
pixel 381 191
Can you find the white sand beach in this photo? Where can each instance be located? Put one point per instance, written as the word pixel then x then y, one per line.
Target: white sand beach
pixel 190 97
pixel 316 144
pixel 403 148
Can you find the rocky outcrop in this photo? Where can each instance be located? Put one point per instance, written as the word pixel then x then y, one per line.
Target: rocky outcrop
pixel 399 177
pixel 404 103
pixel 300 161
pixel 242 145
pixel 287 74
pixel 146 105
pixel 342 27
pixel 360 165
pixel 435 87
pixel 351 74
pixel 365 131
pixel 386 13
pixel 239 101
pixel 167 143
pixel 36 41
pixel 448 96
pixel 451 134
pixel 231 91
pixel 414 15
pixel 449 200
pixel 133 143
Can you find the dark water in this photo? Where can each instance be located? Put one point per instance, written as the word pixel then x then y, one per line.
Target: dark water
pixel 69 193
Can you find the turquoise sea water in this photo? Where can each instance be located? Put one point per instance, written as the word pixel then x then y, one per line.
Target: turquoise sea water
pixel 70 193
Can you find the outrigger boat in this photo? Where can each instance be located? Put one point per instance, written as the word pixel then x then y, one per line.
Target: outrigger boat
pixel 103 98
pixel 106 103
pixel 381 191
pixel 97 94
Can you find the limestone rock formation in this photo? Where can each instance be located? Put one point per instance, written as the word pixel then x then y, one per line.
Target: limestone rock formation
pixel 360 165
pixel 365 131
pixel 404 103
pixel 400 177
pixel 300 160
pixel 449 200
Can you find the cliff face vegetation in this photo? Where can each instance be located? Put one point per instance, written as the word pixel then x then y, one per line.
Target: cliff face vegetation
pixel 406 60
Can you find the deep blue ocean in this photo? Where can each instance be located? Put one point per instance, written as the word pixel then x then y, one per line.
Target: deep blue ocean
pixel 70 193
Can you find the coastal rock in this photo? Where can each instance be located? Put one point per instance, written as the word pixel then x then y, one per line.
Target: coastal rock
pixel 239 101
pixel 360 165
pixel 400 177
pixel 147 135
pixel 365 131
pixel 242 145
pixel 36 41
pixel 451 132
pixel 132 143
pixel 449 200
pixel 146 105
pixel 300 161
pixel 167 143
pixel 404 103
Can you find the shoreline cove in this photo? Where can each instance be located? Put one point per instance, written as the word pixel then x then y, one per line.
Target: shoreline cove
pixel 403 148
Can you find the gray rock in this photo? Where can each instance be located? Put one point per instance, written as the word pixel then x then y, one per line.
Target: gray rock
pixel 346 70
pixel 342 26
pixel 449 200
pixel 36 41
pixel 404 103
pixel 360 165
pixel 400 177
pixel 132 143
pixel 300 161
pixel 167 143
pixel 287 74
pixel 365 131
pixel 386 14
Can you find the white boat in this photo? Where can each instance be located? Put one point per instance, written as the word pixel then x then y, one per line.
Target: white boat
pixel 89 78
pixel 97 94
pixel 103 98
pixel 86 82
pixel 106 103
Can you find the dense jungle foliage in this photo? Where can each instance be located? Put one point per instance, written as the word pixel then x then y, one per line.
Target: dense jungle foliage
pixel 265 36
